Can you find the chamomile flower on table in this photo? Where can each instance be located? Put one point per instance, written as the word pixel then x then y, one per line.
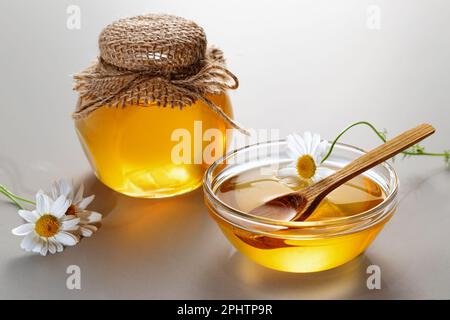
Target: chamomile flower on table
pixel 48 229
pixel 78 206
pixel 56 221
pixel 307 153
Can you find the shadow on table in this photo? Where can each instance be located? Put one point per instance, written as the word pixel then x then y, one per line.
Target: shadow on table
pixel 138 238
pixel 145 227
pixel 251 280
pixel 105 198
pixel 414 184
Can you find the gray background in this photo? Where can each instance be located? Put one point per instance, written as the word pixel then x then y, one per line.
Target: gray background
pixel 302 65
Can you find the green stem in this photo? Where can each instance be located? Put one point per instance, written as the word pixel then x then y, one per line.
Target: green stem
pixel 6 194
pixel 348 128
pixel 430 154
pixel 383 138
pixel 14 198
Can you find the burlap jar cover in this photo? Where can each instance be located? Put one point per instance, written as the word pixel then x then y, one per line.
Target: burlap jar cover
pixel 150 59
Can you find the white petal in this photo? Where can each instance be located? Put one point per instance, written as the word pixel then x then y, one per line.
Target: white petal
pixel 323 148
pixel 86 232
pixel 66 238
pixel 29 216
pixel 73 229
pixel 287 172
pixel 89 216
pixel 301 142
pixel 44 248
pixel 23 229
pixel 43 203
pixel 70 223
pixel 321 172
pixel 51 247
pixel 296 144
pixel 95 217
pixel 38 245
pixel 292 154
pixel 83 215
pixel 317 154
pixel 315 145
pixel 91 227
pixel 65 188
pixel 29 241
pixel 60 206
pixel 292 146
pixel 59 246
pixel 85 202
pixel 79 195
pixel 307 137
pixel 55 190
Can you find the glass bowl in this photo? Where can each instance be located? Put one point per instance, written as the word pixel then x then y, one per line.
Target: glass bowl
pixel 297 246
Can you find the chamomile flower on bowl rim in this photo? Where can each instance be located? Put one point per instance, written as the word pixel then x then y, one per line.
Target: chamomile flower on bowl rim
pixel 48 229
pixel 307 153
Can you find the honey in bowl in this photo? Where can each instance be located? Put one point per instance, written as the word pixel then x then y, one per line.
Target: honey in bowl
pixel 341 227
pixel 249 190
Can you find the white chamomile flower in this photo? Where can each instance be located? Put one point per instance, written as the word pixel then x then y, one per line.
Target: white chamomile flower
pixel 78 206
pixel 48 228
pixel 307 153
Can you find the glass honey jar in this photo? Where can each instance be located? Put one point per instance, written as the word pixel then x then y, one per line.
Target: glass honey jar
pixel 152 97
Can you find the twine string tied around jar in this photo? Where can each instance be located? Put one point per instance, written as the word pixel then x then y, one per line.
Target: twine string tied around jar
pixel 152 59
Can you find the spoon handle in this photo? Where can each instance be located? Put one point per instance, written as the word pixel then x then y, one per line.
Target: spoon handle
pixel 370 159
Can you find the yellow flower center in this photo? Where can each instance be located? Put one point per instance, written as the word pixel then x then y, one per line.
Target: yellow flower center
pixel 306 167
pixel 47 226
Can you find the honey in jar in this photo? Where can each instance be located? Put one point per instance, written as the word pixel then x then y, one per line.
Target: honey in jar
pixel 131 148
pixel 155 77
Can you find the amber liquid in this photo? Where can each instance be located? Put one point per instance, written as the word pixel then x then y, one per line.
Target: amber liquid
pixel 248 190
pixel 130 148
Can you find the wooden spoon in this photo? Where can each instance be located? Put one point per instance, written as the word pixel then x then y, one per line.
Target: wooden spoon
pixel 300 204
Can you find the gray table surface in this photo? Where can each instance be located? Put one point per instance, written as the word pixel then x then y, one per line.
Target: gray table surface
pixel 302 65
